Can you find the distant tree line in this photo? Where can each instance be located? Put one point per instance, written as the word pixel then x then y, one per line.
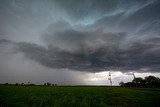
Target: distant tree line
pixel 49 84
pixel 147 82
pixel 30 84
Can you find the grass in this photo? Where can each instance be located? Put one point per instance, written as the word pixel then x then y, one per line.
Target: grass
pixel 78 96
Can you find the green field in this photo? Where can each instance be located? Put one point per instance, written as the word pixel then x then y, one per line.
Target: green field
pixel 78 96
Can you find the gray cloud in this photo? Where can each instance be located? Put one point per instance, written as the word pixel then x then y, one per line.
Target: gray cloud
pixel 84 9
pixel 93 57
pixel 86 35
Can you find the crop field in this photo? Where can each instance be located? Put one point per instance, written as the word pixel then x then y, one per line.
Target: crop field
pixel 78 96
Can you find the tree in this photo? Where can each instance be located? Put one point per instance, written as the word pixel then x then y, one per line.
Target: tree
pixel 137 81
pixel 121 83
pixel 16 84
pixel 129 84
pixel 47 84
pixel 149 81
pixel 22 84
pixel 152 81
pixel 6 83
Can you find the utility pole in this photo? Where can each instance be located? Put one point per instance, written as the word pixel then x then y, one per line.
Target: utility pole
pixel 133 75
pixel 110 78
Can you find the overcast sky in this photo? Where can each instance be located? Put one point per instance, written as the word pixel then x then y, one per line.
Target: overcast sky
pixel 77 42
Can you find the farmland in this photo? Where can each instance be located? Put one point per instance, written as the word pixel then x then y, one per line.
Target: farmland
pixel 78 96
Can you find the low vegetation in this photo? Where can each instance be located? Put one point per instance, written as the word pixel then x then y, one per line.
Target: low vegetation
pixel 77 96
pixel 138 93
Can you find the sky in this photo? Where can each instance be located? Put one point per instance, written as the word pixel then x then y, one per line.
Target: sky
pixel 78 42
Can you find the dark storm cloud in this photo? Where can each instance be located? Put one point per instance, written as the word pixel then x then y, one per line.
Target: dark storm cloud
pixel 87 53
pixel 142 56
pixel 139 56
pixel 86 35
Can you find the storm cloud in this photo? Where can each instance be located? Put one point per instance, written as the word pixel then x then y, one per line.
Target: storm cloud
pixel 92 53
pixel 83 36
